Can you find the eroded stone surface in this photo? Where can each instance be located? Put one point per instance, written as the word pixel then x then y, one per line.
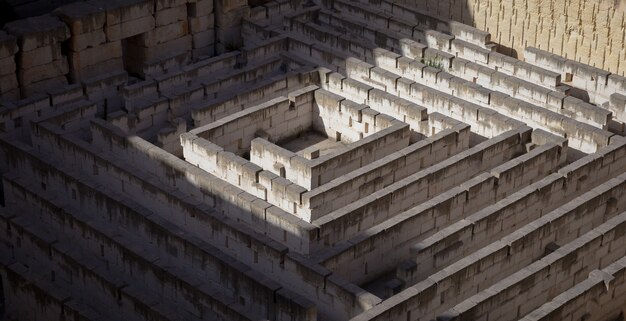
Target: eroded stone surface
pixel 287 160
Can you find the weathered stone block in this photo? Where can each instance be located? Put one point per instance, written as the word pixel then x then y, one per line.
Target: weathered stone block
pixel 7 83
pixel 87 40
pixel 200 8
pixel 229 5
pixel 161 34
pixel 158 66
pixel 82 17
pixel 204 52
pixel 43 86
pixel 95 55
pixel 228 36
pixel 37 32
pixel 170 15
pixel 129 28
pixel 65 94
pixel 50 70
pixel 96 70
pixel 199 24
pixel 232 18
pixel 165 4
pixel 203 39
pixel 118 11
pixel 12 94
pixel 164 50
pixel 40 56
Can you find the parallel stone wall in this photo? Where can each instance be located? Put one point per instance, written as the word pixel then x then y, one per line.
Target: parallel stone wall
pixel 599 297
pixel 570 264
pixel 588 31
pixel 66 222
pixel 159 182
pixel 473 233
pixel 203 217
pixel 390 240
pixel 395 73
pixel 385 171
pixel 558 270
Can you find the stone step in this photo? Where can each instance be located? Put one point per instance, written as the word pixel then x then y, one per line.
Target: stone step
pixel 448 288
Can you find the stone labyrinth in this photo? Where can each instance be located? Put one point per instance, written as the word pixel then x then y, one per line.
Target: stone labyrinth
pixel 344 160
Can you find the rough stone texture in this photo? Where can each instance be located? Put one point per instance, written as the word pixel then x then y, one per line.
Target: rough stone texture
pixel 340 160
pixel 37 32
pixel 585 31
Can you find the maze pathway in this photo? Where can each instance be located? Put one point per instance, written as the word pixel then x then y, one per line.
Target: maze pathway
pixel 353 160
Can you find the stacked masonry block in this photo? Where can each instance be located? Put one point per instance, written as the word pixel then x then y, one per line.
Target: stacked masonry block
pixel 41 64
pixel 9 88
pixel 164 45
pixel 202 28
pixel 90 53
pixel 229 14
pixel 91 40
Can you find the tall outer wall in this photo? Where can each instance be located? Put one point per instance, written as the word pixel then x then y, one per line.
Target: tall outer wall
pixel 588 31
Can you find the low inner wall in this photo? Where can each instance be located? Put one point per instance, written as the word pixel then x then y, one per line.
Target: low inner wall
pixel 383 247
pixel 609 301
pixel 199 218
pixel 497 261
pixel 498 220
pixel 400 196
pixel 368 179
pixel 525 290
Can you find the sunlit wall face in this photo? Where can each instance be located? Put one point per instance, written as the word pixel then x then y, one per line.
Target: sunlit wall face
pixel 590 32
pixel 358 159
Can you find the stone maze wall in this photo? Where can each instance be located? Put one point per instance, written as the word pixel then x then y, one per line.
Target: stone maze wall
pixel 588 32
pixel 309 160
pixel 87 39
